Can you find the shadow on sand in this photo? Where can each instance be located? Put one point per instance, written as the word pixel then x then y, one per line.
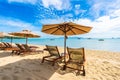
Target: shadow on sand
pixel 27 69
pixel 4 53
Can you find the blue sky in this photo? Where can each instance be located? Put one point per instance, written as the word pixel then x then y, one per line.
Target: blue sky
pixel 102 15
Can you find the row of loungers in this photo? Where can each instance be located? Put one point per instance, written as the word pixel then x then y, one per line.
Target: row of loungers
pixel 24 48
pixel 76 58
pixel 6 46
pixel 19 48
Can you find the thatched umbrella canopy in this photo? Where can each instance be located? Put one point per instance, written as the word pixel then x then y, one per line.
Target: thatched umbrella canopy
pixel 26 34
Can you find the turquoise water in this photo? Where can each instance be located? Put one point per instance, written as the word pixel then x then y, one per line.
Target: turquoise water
pixel 94 44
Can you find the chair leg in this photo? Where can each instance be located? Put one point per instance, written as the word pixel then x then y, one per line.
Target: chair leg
pixel 64 67
pixel 77 73
pixel 53 63
pixel 42 60
pixel 18 52
pixel 12 52
pixel 84 71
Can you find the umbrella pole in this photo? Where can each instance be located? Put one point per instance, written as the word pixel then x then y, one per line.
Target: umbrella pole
pixel 64 67
pixel 11 40
pixel 26 40
pixel 1 39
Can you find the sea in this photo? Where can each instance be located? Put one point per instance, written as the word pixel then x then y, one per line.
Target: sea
pixel 106 44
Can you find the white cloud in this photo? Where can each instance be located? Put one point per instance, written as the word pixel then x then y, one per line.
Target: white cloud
pixel 14 25
pixel 24 1
pixel 116 13
pixel 55 21
pixel 51 21
pixel 58 4
pixel 104 26
pixel 105 6
pixel 78 10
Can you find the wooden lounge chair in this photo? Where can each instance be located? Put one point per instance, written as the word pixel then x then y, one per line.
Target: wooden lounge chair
pixel 2 46
pixel 76 60
pixel 54 54
pixel 31 49
pixel 20 50
pixel 5 44
pixel 8 46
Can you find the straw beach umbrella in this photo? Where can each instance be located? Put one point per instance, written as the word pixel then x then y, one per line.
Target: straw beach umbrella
pixel 4 35
pixel 65 29
pixel 26 34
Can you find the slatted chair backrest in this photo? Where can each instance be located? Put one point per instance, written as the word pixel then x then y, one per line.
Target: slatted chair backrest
pixel 26 47
pixel 76 54
pixel 9 45
pixel 5 44
pixel 53 50
pixel 20 47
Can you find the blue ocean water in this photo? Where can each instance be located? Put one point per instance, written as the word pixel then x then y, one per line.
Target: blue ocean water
pixel 94 44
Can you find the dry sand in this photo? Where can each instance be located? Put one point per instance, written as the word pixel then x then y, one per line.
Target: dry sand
pixel 100 65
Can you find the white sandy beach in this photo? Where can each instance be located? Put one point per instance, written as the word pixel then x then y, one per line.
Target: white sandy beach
pixel 100 65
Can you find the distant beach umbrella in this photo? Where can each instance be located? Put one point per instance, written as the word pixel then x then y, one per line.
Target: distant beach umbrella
pixel 4 35
pixel 65 29
pixel 26 34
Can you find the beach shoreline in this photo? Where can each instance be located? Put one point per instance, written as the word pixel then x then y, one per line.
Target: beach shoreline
pixel 100 65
